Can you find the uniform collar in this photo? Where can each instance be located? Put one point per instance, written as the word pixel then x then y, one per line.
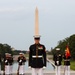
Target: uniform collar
pixel 37 44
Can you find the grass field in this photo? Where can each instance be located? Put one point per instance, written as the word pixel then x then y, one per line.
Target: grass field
pixel 72 65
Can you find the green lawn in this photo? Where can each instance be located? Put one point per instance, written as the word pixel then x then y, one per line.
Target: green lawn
pixel 73 65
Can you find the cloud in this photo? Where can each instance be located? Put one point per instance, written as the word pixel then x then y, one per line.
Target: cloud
pixel 10 9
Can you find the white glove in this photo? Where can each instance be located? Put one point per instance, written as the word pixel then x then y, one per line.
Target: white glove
pixel 20 61
pixel 57 62
pixel 5 61
pixel 29 67
pixel 44 67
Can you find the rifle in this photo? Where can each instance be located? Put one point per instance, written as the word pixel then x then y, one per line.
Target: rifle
pixel 18 70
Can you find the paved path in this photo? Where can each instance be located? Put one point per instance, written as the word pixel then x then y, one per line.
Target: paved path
pixel 48 73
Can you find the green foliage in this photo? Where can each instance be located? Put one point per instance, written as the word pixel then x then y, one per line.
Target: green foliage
pixel 73 65
pixel 70 41
pixel 5 48
pixel 72 45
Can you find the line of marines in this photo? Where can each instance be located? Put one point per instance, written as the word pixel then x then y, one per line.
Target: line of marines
pixel 37 60
pixel 8 62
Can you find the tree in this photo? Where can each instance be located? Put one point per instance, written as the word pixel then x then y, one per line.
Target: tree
pixel 72 46
pixel 5 48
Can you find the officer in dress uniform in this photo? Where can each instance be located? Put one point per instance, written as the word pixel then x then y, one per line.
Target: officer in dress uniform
pixel 66 64
pixel 21 61
pixel 57 59
pixel 10 63
pixel 6 61
pixel 37 57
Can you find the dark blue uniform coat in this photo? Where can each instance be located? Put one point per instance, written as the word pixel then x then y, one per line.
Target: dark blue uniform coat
pixel 23 60
pixel 66 60
pixel 57 57
pixel 37 50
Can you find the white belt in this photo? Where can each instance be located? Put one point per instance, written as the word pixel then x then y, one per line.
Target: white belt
pixel 37 56
pixel 66 60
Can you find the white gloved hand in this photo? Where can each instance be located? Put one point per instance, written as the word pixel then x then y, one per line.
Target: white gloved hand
pixel 29 67
pixel 44 67
pixel 57 62
pixel 20 61
pixel 6 61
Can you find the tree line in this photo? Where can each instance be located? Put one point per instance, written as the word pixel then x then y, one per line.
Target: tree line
pixel 16 52
pixel 5 48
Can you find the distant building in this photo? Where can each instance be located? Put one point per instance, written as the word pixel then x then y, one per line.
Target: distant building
pixel 13 49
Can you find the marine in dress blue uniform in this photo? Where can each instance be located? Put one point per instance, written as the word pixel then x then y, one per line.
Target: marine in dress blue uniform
pixel 37 57
pixel 7 67
pixel 57 59
pixel 10 63
pixel 66 64
pixel 21 63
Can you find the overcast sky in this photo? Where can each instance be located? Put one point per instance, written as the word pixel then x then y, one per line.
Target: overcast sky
pixel 17 19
